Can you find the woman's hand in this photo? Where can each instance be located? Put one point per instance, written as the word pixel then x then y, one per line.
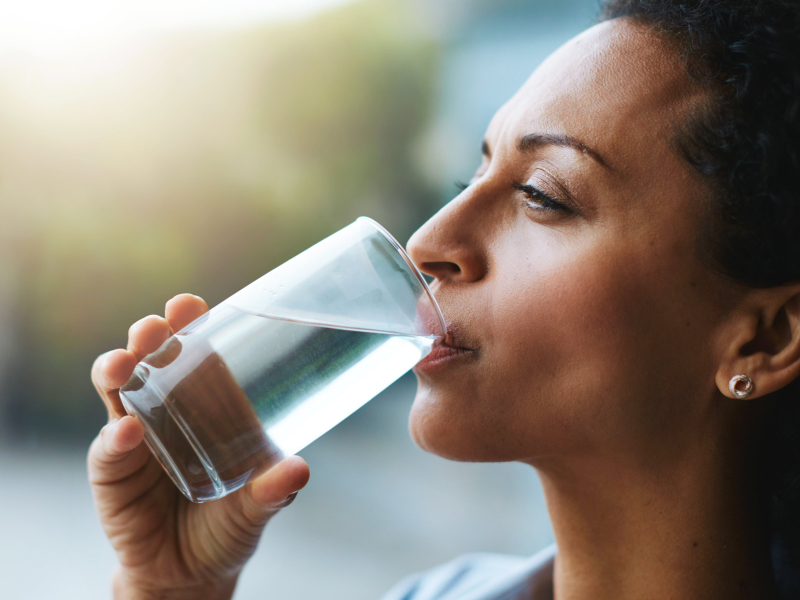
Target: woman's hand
pixel 167 546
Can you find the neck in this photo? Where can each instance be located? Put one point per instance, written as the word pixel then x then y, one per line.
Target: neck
pixel 683 526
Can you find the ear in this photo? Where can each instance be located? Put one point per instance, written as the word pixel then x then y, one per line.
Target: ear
pixel 763 341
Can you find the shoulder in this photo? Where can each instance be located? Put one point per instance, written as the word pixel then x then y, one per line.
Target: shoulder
pixel 482 576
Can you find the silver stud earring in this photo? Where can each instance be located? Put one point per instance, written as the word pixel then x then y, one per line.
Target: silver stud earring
pixel 741 386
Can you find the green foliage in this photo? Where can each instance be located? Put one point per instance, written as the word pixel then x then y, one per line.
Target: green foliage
pixel 192 163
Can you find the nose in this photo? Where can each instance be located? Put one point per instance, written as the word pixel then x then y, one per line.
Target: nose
pixel 451 245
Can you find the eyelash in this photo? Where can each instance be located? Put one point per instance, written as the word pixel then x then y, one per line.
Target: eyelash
pixel 538 199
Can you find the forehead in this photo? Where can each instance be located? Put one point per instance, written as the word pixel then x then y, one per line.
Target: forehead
pixel 617 87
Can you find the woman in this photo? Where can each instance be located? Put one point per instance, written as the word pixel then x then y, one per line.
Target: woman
pixel 622 277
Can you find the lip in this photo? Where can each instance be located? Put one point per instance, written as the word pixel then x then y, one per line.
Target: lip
pixel 444 351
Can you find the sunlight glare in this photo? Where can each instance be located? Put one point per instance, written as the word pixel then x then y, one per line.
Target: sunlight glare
pixel 57 28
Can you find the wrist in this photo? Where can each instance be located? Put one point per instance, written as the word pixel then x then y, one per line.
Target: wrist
pixel 127 588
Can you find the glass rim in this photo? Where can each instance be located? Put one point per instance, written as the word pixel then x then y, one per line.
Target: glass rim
pixel 417 273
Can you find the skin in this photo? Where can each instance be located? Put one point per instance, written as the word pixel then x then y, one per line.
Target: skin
pixel 169 548
pixel 587 339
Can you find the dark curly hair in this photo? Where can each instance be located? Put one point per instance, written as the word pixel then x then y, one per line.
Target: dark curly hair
pixel 746 144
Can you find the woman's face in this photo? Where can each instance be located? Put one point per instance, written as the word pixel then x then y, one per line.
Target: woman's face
pixel 569 270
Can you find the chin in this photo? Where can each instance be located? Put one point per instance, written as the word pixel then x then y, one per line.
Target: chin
pixel 440 428
pixel 430 427
pixel 460 427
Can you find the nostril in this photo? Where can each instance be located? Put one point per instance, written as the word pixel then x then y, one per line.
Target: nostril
pixel 440 269
pixel 444 266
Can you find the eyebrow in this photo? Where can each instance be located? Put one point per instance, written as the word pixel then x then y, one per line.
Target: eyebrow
pixel 533 141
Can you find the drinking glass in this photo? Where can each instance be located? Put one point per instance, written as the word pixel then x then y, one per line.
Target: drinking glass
pixel 269 370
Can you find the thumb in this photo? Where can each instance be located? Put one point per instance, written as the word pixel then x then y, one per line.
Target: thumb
pixel 275 489
pixel 235 522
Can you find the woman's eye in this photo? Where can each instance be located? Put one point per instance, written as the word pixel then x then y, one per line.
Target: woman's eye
pixel 461 186
pixel 538 199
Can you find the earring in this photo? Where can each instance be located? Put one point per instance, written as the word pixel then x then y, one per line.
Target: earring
pixel 741 386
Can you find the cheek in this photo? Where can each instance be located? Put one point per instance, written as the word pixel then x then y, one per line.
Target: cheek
pixel 602 349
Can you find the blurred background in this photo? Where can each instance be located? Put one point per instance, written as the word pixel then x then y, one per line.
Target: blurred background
pixel 154 147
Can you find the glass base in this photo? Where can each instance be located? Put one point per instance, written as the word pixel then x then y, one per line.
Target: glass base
pixel 188 465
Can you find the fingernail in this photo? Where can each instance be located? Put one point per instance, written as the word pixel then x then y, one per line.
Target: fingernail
pixel 287 501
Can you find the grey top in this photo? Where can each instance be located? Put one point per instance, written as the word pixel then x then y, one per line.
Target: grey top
pixel 501 577
pixel 482 577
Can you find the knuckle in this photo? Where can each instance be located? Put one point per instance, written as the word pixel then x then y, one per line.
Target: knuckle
pixel 104 445
pixel 136 325
pixel 146 327
pixel 176 298
pixel 112 363
pixel 187 298
pixel 96 456
pixel 102 448
pixel 97 365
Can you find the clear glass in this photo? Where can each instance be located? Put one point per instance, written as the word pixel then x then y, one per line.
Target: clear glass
pixel 279 363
